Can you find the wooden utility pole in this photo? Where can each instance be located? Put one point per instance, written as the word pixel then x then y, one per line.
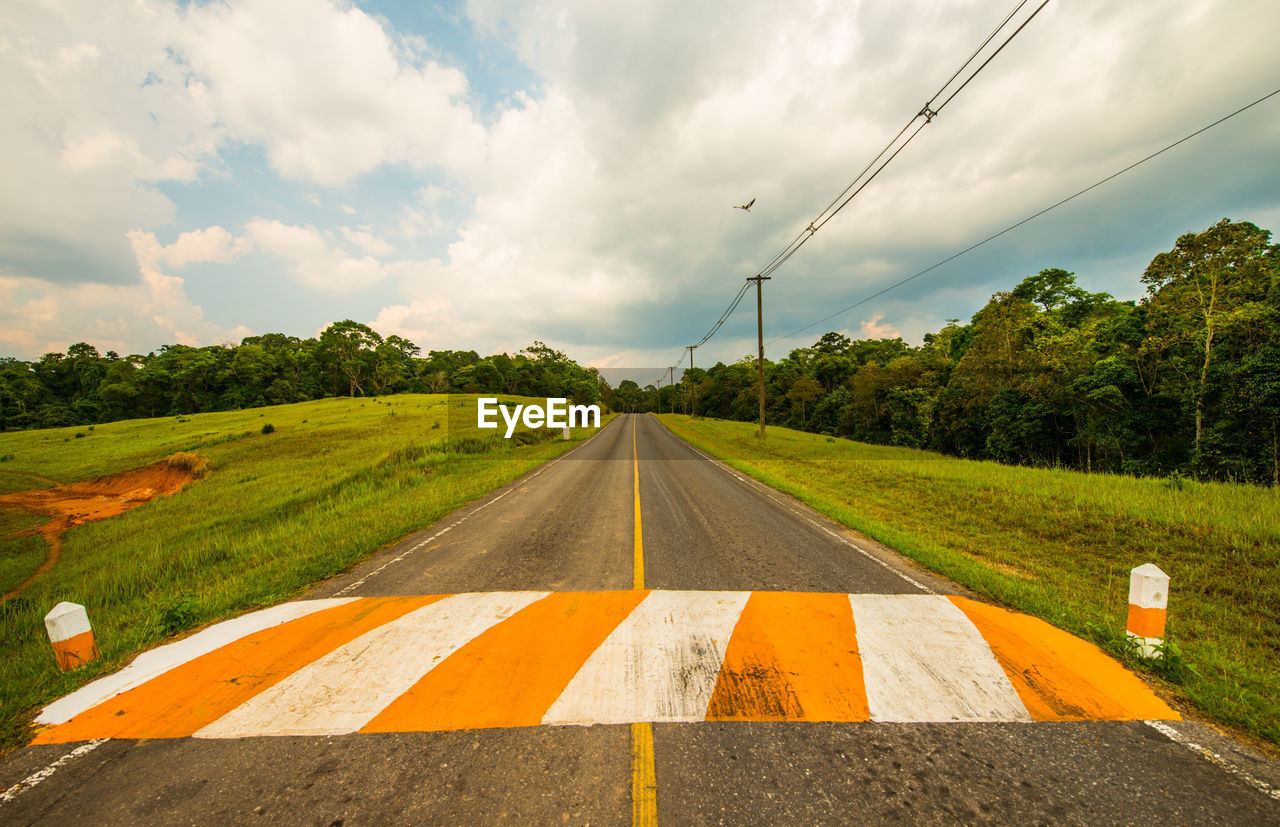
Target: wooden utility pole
pixel 759 280
pixel 659 395
pixel 693 387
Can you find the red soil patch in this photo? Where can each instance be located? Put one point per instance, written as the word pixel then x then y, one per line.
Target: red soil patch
pixel 83 502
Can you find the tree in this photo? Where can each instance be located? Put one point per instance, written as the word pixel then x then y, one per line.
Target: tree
pixel 804 390
pixel 350 347
pixel 1208 284
pixel 1049 288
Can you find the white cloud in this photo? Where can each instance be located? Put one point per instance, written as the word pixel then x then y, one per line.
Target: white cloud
pixel 37 316
pixel 593 209
pixel 214 244
pixel 367 241
pixel 94 114
pixel 647 133
pixel 873 329
pixel 325 89
pixel 103 102
pixel 315 261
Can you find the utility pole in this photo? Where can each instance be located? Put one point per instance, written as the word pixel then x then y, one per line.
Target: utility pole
pixel 693 387
pixel 759 280
pixel 659 394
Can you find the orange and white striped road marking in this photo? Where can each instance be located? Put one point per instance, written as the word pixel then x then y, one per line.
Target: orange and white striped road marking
pixel 149 665
pixel 345 689
pixel 660 664
pixel 509 659
pixel 925 661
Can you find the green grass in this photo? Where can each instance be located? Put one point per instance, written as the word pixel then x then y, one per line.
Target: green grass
pixel 336 480
pixel 1059 545
pixel 19 556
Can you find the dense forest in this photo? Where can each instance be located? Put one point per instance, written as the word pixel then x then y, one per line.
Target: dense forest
pixel 1185 380
pixel 83 387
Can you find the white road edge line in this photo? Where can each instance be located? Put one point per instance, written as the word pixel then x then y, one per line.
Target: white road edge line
pixel 1213 758
pixel 423 544
pixel 764 489
pixel 41 775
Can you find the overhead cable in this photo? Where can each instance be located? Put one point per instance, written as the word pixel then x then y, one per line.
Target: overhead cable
pixel 1031 217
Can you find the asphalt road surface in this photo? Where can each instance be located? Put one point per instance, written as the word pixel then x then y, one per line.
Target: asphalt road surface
pixel 610 650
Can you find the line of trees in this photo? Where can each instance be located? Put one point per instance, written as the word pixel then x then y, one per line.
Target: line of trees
pixel 83 387
pixel 1185 380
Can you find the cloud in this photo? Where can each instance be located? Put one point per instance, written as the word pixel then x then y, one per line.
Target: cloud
pixel 38 316
pixel 94 114
pixel 213 244
pixel 872 329
pixel 325 89
pixel 593 208
pixel 367 241
pixel 643 135
pixel 315 261
pixel 105 104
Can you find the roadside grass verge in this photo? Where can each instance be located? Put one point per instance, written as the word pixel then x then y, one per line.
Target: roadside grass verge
pixel 1059 545
pixel 333 481
pixel 19 555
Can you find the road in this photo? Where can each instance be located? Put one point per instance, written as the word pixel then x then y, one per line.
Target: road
pixel 628 632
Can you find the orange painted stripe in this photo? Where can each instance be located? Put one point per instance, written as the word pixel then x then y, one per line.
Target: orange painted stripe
pixel 75 651
pixel 187 697
pixel 1058 676
pixel 792 657
pixel 510 675
pixel 1146 622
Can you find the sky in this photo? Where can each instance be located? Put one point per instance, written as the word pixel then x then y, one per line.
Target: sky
pixel 478 175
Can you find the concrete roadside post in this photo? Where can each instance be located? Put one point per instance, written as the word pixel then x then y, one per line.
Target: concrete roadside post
pixel 1148 600
pixel 71 635
pixel 566 433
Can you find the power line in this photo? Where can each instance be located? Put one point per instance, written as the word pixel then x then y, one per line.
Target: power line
pixel 800 238
pixel 927 112
pixel 994 236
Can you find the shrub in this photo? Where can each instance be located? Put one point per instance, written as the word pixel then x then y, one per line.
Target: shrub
pixel 194 464
pixel 180 614
pixel 268 428
pixel 470 444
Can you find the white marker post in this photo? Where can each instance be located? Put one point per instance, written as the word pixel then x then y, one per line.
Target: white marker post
pixel 566 433
pixel 71 635
pixel 1148 601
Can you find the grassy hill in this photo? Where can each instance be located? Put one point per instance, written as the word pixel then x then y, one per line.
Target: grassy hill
pixel 329 482
pixel 1060 545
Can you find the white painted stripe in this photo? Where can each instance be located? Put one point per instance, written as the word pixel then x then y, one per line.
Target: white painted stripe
pixel 660 664
pixel 1214 758
pixel 40 776
pixel 923 660
pixel 160 660
pixel 345 689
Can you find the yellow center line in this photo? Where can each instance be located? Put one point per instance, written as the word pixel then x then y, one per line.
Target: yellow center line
pixel 639 543
pixel 644 783
pixel 644 787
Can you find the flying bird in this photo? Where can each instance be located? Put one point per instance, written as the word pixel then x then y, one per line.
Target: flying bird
pixel 746 206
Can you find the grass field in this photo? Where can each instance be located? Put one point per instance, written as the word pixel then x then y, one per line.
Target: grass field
pixel 1060 545
pixel 334 481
